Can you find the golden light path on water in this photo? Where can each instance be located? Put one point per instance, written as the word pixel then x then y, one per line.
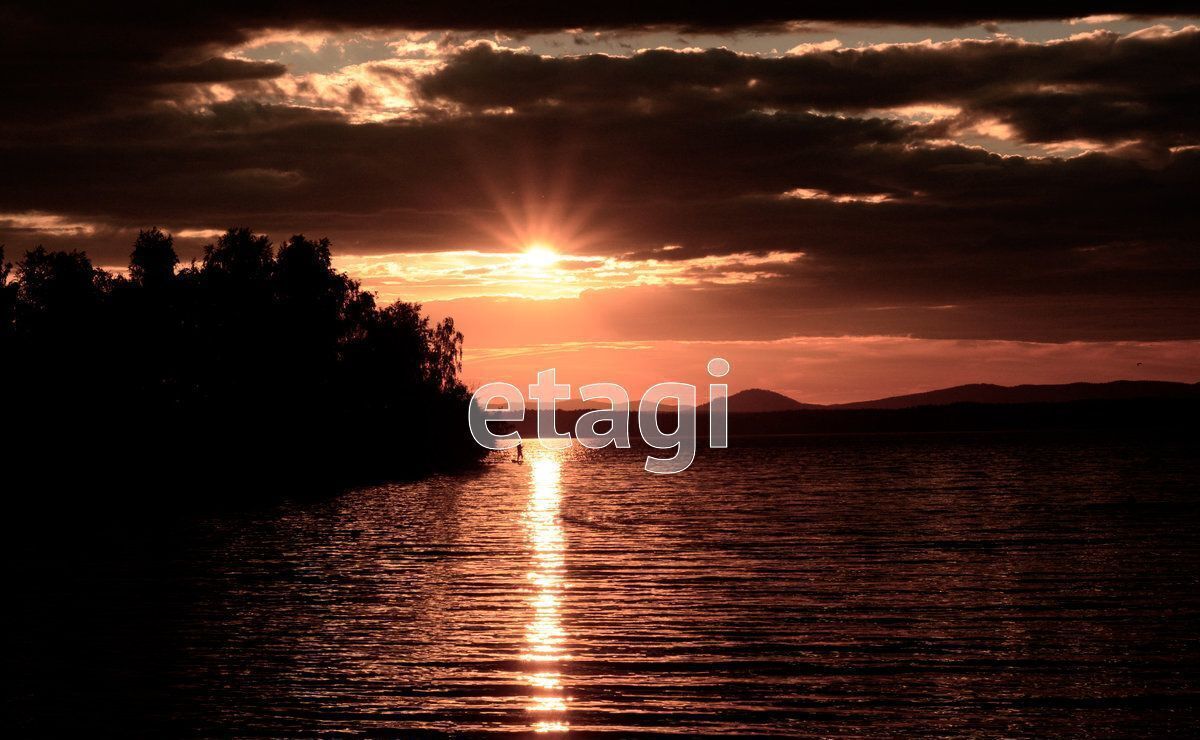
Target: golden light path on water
pixel 544 636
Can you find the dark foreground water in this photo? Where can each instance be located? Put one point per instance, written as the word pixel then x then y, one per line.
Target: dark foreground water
pixel 988 584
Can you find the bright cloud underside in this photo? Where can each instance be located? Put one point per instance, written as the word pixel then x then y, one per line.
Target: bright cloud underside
pixel 426 276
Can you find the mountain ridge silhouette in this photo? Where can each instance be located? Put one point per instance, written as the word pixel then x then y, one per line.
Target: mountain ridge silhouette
pixel 761 400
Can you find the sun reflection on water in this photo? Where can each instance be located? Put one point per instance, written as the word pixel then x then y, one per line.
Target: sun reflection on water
pixel 544 635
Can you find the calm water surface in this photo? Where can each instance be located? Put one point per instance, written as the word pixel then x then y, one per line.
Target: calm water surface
pixel 991 584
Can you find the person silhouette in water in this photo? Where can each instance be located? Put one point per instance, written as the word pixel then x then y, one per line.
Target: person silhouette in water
pixel 520 452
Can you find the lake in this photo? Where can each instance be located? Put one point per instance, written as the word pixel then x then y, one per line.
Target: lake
pixel 1003 584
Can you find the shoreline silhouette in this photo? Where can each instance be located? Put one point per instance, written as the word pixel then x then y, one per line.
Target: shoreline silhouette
pixel 259 361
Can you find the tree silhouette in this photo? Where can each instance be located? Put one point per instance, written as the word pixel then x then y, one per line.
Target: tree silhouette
pixel 153 261
pixel 256 360
pixel 8 300
pixel 55 289
pixel 240 257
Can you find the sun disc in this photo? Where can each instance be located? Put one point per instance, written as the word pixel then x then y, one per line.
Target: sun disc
pixel 539 255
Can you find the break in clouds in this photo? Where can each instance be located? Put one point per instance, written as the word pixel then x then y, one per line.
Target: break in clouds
pixel 999 175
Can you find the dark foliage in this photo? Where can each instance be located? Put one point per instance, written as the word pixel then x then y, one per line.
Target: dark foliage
pixel 255 364
pixel 8 300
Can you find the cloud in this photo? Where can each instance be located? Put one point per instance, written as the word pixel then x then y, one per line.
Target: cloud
pixel 447 275
pixel 896 169
pixel 818 194
pixel 1100 85
pixel 955 225
pixel 809 48
pixel 44 223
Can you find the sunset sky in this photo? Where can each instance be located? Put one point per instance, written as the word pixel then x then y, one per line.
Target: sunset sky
pixel 844 204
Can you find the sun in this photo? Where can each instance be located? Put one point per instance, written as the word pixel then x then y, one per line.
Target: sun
pixel 539 256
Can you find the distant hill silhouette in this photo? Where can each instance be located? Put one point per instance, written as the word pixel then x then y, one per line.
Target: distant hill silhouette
pixel 1176 415
pixel 989 393
pixel 1145 405
pixel 762 401
pixel 759 400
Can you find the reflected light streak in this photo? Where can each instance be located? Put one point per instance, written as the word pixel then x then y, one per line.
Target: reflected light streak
pixel 544 635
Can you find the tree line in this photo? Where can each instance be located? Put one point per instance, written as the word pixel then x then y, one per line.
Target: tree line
pixel 256 361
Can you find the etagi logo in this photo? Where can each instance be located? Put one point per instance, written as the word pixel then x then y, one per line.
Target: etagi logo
pixel 546 392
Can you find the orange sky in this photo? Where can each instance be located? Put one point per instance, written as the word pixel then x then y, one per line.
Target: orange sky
pixel 637 322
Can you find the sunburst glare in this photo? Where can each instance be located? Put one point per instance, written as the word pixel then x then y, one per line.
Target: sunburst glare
pixel 538 256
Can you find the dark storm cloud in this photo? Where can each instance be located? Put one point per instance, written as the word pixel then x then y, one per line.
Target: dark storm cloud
pixel 1100 86
pixel 175 166
pixel 960 221
pixel 663 148
pixel 60 65
pixel 73 58
pixel 223 22
pixel 532 15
